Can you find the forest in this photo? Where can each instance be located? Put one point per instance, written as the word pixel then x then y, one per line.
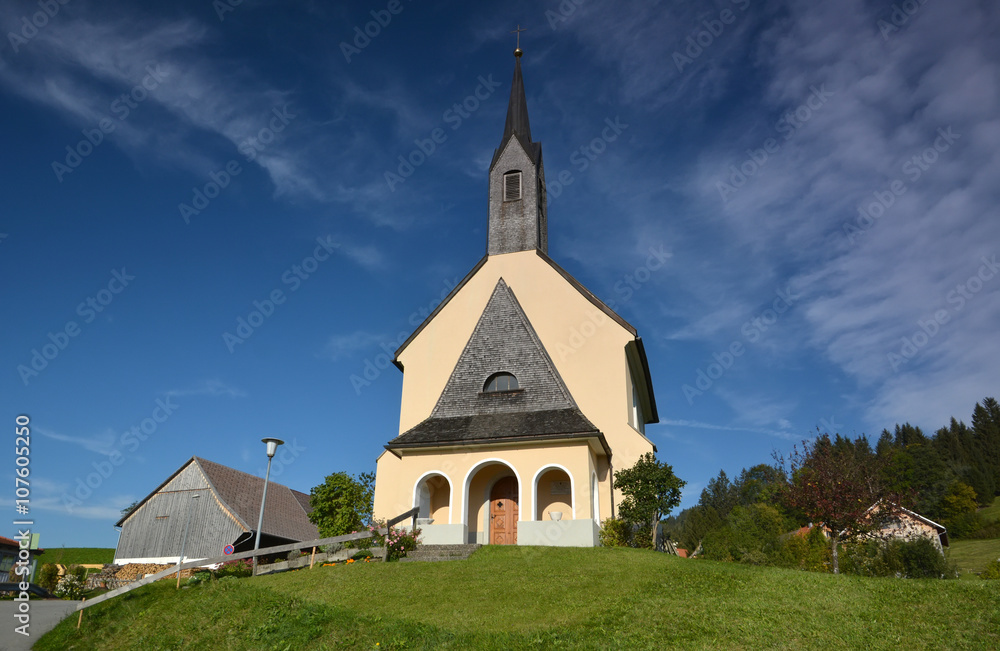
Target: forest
pixel 945 477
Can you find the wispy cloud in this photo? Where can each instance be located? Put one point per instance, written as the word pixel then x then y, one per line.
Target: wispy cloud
pixel 212 388
pixel 340 346
pixel 781 434
pixel 101 443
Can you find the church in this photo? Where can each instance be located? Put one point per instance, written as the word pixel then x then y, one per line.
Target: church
pixel 522 392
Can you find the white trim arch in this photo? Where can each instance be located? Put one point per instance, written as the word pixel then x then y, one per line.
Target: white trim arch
pixel 468 483
pixel 451 491
pixel 534 488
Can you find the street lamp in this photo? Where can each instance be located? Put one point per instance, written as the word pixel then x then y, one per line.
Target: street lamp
pixel 272 446
pixel 187 527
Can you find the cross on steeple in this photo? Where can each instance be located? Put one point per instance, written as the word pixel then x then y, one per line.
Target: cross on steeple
pixel 518 52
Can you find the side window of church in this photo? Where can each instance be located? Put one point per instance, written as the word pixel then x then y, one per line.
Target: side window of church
pixel 500 382
pixel 511 186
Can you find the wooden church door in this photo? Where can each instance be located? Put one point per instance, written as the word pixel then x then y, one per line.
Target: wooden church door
pixel 503 512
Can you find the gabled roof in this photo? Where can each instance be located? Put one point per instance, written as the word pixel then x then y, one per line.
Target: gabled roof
pixel 286 514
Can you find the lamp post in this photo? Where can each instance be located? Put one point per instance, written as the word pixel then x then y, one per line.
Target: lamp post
pixel 272 447
pixel 187 527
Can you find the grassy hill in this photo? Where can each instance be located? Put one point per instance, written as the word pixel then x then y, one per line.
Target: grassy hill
pixel 517 597
pixel 971 556
pixel 77 555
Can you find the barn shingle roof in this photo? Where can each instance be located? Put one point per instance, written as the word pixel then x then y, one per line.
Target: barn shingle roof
pixel 287 511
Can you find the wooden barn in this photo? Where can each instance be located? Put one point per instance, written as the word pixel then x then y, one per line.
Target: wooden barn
pixel 223 505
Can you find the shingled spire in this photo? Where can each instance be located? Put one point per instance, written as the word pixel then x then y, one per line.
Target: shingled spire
pixel 518 211
pixel 517 109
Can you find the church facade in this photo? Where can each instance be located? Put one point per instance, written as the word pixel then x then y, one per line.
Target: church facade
pixel 522 392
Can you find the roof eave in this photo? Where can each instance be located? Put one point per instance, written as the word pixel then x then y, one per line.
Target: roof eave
pixel 596 434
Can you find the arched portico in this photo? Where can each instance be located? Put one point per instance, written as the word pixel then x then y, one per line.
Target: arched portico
pixel 553 491
pixel 493 497
pixel 432 494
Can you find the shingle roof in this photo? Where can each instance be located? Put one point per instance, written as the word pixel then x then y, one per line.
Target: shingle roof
pixel 496 428
pixel 287 511
pixel 517 124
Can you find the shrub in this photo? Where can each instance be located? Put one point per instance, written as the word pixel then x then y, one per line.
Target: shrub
pixel 965 525
pixel 398 542
pixel 48 577
pixel 198 578
pixel 239 568
pixel 69 587
pixel 911 559
pixel 752 535
pixel 615 532
pixel 992 571
pixel 988 531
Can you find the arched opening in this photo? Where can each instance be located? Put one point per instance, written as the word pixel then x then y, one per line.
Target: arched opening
pixel 553 495
pixel 499 382
pixel 492 498
pixel 432 496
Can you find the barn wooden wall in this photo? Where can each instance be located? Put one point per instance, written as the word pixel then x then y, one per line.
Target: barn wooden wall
pixel 147 534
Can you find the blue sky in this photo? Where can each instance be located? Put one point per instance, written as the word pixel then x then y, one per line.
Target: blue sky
pixel 820 180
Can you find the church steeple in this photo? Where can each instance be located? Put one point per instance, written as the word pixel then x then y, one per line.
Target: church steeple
pixel 517 108
pixel 518 210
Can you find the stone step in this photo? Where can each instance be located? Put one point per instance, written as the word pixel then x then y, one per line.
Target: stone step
pixel 431 553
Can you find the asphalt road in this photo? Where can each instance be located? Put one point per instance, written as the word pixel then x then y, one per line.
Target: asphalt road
pixel 45 614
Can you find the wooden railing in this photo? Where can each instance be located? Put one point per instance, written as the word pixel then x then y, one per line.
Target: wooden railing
pixel 264 551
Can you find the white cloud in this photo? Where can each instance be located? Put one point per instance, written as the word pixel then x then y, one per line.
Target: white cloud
pixel 212 387
pixel 340 346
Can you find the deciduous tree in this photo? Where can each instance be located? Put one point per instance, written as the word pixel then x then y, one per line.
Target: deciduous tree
pixel 342 503
pixel 651 491
pixel 837 484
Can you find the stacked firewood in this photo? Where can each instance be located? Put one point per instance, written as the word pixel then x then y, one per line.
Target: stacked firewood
pixel 115 576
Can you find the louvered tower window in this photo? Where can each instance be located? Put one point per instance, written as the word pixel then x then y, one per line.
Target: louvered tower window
pixel 511 186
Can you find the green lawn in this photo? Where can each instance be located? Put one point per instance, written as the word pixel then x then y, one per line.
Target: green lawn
pixel 991 512
pixel 77 555
pixel 545 598
pixel 973 555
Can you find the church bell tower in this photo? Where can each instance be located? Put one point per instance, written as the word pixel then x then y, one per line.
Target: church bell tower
pixel 518 212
